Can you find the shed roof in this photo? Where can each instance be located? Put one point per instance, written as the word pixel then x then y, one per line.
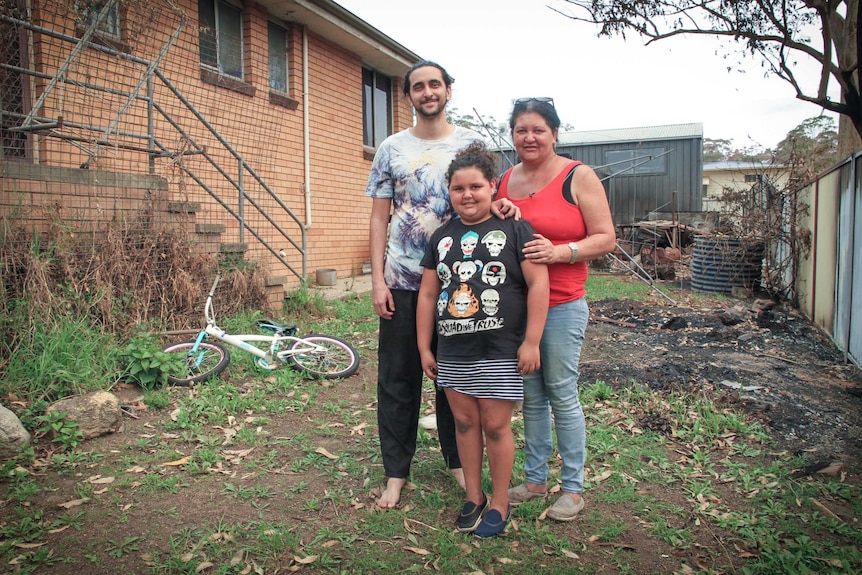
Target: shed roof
pixel 667 132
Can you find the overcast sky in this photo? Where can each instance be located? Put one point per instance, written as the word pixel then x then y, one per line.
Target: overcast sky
pixel 498 50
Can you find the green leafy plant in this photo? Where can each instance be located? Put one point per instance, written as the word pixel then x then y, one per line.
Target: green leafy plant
pixel 61 429
pixel 148 365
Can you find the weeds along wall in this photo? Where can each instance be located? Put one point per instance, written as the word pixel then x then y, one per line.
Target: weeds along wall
pixel 132 111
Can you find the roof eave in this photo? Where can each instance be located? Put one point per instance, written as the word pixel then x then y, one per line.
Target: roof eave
pixel 333 22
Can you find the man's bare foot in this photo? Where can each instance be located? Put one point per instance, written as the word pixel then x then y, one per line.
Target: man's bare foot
pixel 392 494
pixel 458 474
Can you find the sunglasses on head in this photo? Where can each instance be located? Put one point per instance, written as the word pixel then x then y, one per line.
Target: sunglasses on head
pixel 543 100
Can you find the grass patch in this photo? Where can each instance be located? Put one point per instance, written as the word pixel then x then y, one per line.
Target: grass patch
pixel 269 472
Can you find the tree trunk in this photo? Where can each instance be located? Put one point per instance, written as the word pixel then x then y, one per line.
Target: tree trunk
pixel 849 139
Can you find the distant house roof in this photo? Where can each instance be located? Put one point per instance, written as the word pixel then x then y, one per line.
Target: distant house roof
pixel 669 132
pixel 748 166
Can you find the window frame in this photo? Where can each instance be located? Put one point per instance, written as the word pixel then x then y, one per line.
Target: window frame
pixel 371 122
pixel 655 167
pixel 86 12
pixel 219 39
pixel 277 96
pixel 284 57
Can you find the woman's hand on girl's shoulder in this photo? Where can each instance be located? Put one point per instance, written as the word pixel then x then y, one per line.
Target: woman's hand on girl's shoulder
pixel 504 208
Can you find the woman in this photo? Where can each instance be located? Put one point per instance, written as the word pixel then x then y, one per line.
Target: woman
pixel 566 203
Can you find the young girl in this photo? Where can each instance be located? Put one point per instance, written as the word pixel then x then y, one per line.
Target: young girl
pixel 488 304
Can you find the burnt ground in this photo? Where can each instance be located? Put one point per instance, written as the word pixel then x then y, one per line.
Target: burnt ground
pixel 773 362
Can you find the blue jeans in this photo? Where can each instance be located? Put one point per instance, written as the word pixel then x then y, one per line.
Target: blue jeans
pixel 555 386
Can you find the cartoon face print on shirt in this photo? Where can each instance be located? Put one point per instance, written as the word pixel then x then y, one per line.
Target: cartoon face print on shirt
pixel 445 274
pixel 490 301
pixel 441 302
pixel 468 243
pixel 494 273
pixel 466 270
pixel 443 247
pixel 495 241
pixel 463 302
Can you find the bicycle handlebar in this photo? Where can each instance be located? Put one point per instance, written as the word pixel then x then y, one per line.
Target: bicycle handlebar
pixel 209 316
pixel 215 283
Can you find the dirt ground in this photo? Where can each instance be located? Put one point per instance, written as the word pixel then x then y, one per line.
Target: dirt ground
pixel 772 362
pixel 777 365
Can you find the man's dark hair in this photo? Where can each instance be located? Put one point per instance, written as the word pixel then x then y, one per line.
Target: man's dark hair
pixel 447 79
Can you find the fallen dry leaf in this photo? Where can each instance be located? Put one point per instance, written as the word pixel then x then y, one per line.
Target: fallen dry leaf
pixel 305 560
pixel 99 480
pixel 409 527
pixel 27 545
pixel 74 503
pixel 834 469
pixel 203 566
pixel 417 550
pixel 602 476
pixel 322 451
pixel 177 462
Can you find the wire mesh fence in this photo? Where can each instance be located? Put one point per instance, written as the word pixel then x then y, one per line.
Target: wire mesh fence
pixel 151 117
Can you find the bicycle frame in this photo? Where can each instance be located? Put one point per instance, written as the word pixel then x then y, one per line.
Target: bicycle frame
pixel 241 341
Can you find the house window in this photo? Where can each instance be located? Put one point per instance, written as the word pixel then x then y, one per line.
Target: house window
pixel 753 178
pixel 220 37
pixel 14 91
pixel 88 11
pixel 376 107
pixel 637 162
pixel 277 38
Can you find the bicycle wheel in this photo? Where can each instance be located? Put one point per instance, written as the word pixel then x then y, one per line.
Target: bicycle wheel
pixel 334 359
pixel 209 360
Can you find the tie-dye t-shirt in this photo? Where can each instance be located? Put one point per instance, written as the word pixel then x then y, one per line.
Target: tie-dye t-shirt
pixel 412 172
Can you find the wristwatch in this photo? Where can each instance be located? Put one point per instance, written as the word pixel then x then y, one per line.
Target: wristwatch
pixel 574 247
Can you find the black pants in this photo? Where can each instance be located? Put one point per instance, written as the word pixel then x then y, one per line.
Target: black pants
pixel 399 392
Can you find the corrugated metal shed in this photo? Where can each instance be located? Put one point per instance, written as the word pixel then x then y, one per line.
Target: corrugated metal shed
pixel 644 170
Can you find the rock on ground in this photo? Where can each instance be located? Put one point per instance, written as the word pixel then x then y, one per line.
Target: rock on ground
pixel 96 413
pixel 13 436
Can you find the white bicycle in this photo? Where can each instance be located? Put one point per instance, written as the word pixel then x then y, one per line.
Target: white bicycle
pixel 319 355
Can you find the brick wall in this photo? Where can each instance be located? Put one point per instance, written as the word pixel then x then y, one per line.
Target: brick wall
pixel 265 128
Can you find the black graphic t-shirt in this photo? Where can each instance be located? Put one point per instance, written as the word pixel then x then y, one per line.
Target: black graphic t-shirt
pixel 482 306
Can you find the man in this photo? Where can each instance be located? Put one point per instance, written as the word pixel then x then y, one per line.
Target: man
pixel 408 178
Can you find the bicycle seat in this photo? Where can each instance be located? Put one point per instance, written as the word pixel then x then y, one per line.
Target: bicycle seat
pixel 277 328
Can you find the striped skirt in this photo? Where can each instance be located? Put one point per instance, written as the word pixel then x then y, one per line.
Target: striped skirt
pixel 484 378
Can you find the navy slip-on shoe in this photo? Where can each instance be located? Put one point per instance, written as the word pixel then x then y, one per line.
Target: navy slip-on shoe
pixel 493 524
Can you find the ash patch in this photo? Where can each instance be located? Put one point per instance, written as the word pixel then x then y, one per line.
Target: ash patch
pixel 766 358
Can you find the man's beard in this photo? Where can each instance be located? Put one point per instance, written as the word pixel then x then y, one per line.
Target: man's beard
pixel 441 109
